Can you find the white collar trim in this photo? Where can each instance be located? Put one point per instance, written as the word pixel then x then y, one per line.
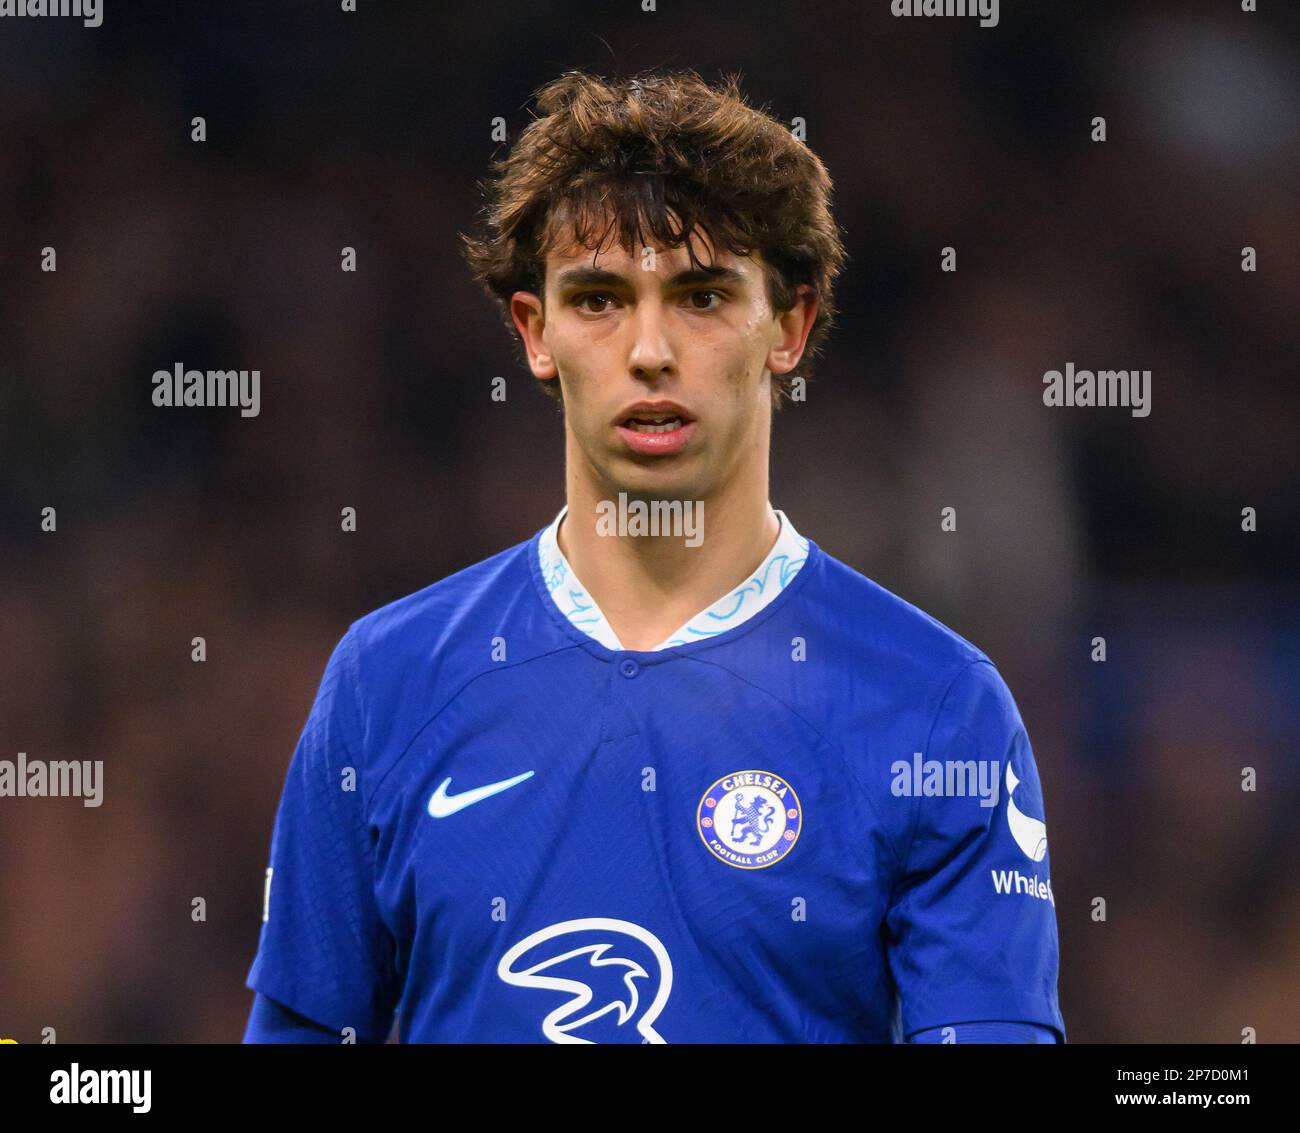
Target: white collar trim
pixel 788 554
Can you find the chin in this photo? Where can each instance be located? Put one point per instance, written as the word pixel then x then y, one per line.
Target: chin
pixel 663 489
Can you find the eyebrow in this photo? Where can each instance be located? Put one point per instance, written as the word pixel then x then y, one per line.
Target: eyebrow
pixel 599 277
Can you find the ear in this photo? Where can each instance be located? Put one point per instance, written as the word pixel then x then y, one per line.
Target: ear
pixel 793 327
pixel 530 319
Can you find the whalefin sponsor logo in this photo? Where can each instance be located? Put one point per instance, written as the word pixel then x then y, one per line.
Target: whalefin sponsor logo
pixel 1030 835
pixel 1013 881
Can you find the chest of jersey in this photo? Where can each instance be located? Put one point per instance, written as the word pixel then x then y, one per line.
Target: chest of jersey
pixel 631 851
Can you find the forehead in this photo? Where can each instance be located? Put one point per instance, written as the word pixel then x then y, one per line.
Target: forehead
pixel 603 250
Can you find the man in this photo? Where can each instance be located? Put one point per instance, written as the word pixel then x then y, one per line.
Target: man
pixel 648 775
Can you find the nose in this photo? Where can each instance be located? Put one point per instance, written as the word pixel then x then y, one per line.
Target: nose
pixel 651 353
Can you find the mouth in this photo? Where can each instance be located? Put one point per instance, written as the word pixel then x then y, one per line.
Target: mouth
pixel 655 429
pixel 654 417
pixel 654 424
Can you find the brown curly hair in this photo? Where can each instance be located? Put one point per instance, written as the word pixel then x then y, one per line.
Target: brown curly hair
pixel 637 152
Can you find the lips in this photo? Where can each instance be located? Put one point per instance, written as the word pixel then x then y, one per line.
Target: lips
pixel 663 439
pixel 653 424
pixel 653 417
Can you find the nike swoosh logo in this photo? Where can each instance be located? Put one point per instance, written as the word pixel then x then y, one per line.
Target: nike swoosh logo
pixel 441 804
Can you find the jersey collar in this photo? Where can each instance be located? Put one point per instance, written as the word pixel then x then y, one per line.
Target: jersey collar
pixel 788 554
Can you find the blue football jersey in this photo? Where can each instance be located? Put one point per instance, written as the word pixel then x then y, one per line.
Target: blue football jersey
pixel 504 830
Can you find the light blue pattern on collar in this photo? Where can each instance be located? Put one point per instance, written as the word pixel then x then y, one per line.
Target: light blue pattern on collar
pixel 788 554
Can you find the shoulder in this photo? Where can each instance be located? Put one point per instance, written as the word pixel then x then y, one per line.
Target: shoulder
pixel 409 659
pixel 889 679
pixel 427 621
pixel 878 626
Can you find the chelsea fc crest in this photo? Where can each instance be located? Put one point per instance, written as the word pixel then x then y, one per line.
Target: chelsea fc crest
pixel 749 819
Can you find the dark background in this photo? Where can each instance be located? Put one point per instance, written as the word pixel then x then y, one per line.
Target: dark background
pixel 328 129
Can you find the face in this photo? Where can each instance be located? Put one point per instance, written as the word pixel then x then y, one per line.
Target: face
pixel 665 369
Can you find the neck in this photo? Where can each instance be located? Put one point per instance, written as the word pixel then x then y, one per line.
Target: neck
pixel 648 585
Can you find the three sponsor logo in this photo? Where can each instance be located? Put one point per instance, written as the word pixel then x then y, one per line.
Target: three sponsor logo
pixel 629 963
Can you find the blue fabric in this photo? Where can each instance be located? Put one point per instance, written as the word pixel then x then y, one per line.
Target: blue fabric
pixel 514 833
pixel 271 1022
pixel 986 1033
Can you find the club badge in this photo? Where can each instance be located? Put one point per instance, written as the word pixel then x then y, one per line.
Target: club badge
pixel 749 819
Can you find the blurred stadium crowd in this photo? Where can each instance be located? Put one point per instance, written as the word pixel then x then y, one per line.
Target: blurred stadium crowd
pixel 1073 523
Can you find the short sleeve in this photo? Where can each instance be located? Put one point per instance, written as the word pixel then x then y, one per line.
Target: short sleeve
pixel 971 929
pixel 324 951
pixel 986 1033
pixel 271 1022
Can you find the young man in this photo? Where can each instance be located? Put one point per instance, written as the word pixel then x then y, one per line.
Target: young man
pixel 706 784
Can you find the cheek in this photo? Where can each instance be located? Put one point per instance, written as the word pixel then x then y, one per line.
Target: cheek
pixel 568 360
pixel 579 353
pixel 735 357
pixel 744 366
pixel 753 345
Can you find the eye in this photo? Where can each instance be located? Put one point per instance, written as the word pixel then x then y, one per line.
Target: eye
pixel 716 294
pixel 580 301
